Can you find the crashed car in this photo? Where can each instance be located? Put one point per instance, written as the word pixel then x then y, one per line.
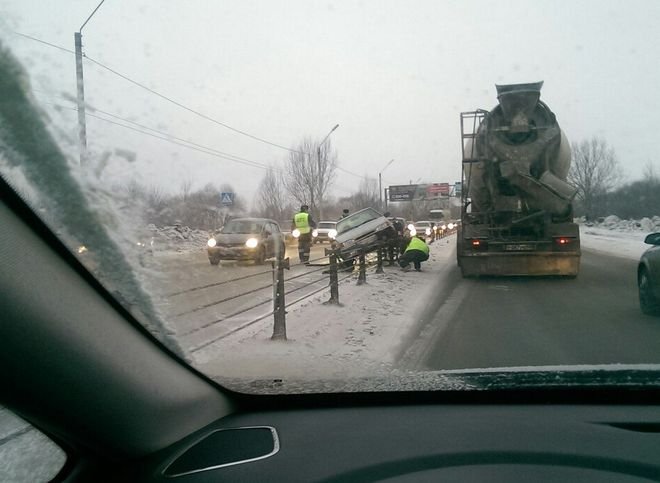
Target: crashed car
pixel 362 232
pixel 246 239
pixel 325 231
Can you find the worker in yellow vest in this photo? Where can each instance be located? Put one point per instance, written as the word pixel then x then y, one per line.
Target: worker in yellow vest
pixel 416 252
pixel 303 222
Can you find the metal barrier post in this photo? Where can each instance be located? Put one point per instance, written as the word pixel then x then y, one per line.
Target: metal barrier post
pixel 379 267
pixel 334 281
pixel 279 312
pixel 362 277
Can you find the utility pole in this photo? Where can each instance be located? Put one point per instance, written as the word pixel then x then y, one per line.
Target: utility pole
pixel 82 124
pixel 82 127
pixel 380 184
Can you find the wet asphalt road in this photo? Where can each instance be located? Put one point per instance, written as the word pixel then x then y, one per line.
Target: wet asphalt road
pixel 497 322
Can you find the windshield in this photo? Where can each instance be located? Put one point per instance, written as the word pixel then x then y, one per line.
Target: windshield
pixel 526 133
pixel 242 226
pixel 356 220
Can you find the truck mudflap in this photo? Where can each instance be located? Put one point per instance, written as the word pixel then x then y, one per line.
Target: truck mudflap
pixel 520 264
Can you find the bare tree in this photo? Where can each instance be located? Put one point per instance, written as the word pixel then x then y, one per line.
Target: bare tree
pixel 595 171
pixel 186 187
pixel 366 195
pixel 271 198
pixel 650 173
pixel 310 171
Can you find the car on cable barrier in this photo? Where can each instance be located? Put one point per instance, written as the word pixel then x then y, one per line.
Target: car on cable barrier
pixel 362 232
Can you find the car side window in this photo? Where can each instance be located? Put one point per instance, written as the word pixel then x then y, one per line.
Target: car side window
pixel 26 454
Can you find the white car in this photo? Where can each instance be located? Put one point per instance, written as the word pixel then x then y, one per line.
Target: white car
pixel 325 231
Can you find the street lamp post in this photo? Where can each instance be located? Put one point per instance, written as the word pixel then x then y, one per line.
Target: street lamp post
pixel 318 160
pixel 380 183
pixel 82 125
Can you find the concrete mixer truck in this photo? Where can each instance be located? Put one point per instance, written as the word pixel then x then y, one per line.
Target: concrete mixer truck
pixel 516 206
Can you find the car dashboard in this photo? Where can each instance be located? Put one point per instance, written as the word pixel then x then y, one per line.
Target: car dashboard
pixel 405 443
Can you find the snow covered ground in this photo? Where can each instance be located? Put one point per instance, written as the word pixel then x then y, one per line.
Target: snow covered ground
pixel 362 337
pixel 621 238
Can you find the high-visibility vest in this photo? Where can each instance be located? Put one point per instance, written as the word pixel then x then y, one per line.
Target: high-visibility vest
pixel 301 221
pixel 417 244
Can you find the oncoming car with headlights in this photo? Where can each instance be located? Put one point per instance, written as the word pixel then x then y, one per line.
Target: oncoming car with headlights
pixel 246 239
pixel 325 231
pixel 421 228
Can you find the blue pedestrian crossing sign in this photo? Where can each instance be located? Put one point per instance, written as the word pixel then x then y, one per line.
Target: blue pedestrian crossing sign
pixel 227 199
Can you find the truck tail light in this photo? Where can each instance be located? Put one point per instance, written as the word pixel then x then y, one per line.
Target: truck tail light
pixel 477 244
pixel 564 240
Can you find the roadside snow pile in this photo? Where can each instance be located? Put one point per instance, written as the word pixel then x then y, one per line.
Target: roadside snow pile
pixel 177 238
pixel 614 236
pixel 614 223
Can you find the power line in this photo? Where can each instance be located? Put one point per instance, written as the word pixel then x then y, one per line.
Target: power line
pixel 142 126
pixel 94 109
pixel 44 42
pixel 168 99
pixel 184 143
pixel 162 96
pixel 172 139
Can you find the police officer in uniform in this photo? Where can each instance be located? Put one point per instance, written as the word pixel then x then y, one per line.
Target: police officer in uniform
pixel 303 222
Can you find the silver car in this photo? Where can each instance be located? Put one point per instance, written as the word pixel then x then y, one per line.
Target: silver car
pixel 362 232
pixel 325 231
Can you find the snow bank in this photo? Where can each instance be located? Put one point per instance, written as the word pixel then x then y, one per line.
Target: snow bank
pixel 362 337
pixel 617 237
pixel 176 238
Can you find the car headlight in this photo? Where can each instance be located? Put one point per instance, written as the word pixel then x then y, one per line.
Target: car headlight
pixel 315 233
pixel 332 234
pixel 444 227
pixel 413 232
pixel 295 233
pixel 211 242
pixel 450 226
pixel 427 231
pixel 411 227
pixel 251 243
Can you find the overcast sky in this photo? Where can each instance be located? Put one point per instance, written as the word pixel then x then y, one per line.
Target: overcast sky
pixel 393 74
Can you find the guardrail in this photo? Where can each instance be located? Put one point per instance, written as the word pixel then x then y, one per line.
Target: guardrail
pixel 334 268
